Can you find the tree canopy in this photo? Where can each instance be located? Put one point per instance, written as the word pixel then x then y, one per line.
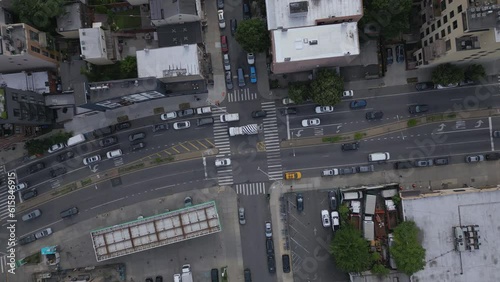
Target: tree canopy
pixel 474 72
pixel 299 91
pixel 39 13
pixel 253 36
pixel 40 146
pixel 350 250
pixel 124 69
pixel 407 251
pixel 446 74
pixel 393 16
pixel 327 87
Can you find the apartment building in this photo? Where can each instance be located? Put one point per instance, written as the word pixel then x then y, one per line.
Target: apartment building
pixel 76 16
pixel 310 34
pixel 165 12
pixel 458 31
pixel 22 108
pixel 25 48
pixel 97 45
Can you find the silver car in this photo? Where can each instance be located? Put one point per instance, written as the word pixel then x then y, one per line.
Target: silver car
pixel 32 215
pixel 269 230
pixel 43 233
pixel 241 215
pixel 474 158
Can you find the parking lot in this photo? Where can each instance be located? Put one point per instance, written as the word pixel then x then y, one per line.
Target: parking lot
pixel 309 240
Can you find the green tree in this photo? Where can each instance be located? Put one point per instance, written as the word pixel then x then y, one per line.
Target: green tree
pixel 344 213
pixel 252 35
pixel 407 251
pixel 327 87
pixel 128 67
pixel 393 16
pixel 40 146
pixel 447 74
pixel 38 13
pixel 299 91
pixel 350 250
pixel 474 72
pixel 380 270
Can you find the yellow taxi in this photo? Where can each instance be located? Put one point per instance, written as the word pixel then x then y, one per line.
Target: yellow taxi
pixel 293 175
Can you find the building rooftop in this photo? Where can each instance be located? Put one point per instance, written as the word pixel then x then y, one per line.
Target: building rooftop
pixel 168 61
pixel 33 81
pixel 164 9
pixel 316 42
pixel 437 213
pixel 179 34
pixel 155 231
pixel 92 45
pixel 482 17
pixel 72 18
pixel 290 13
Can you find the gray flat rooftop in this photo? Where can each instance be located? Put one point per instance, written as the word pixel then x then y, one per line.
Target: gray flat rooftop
pixel 437 213
pixel 71 19
pixel 33 81
pixel 179 34
pixel 155 231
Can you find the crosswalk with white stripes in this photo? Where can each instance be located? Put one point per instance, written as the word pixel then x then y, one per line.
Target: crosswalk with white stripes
pixel 239 95
pixel 272 142
pixel 3 194
pixel 221 141
pixel 251 188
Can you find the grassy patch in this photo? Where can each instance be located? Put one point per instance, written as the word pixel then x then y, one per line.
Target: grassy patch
pixel 433 118
pixel 162 160
pixel 359 135
pixel 332 139
pixel 412 122
pixel 66 189
pixel 184 106
pixel 128 19
pixel 122 119
pixel 451 115
pixel 86 182
pixel 33 259
pixel 131 167
pixel 158 111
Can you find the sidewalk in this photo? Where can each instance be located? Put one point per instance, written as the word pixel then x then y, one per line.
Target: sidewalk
pixel 417 179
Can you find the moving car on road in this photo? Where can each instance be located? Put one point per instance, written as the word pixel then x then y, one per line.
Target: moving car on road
pixel 496 134
pixel 43 233
pixel 91 160
pixel 241 216
pixel 32 215
pixel 325 218
pixel 108 141
pixel 374 115
pixel 181 125
pixel 222 162
pixel 353 146
pixel 58 171
pixel 299 200
pixel 474 158
pixel 259 114
pixel 36 167
pixel 416 109
pixel 136 136
pixel 137 146
pixel 324 109
pixel 160 127
pixel 311 122
pixel 358 104
pixel 347 94
pixel 293 175
pixel 69 212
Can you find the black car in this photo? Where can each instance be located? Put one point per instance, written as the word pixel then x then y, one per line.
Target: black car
pixel 350 146
pixel 136 136
pixel 300 202
pixel 123 126
pixel 69 212
pixel 358 104
pixel 36 167
pixel 58 171
pixel 403 165
pixel 288 111
pixel 98 133
pixel 286 263
pixel 441 161
pixel 271 264
pixel 374 115
pixel 246 11
pixel 492 156
pixel 65 156
pixel 269 246
pixel 259 114
pixel 160 127
pixel 30 194
pixel 422 86
pixel 159 278
pixel 28 239
pixel 214 274
pixel 108 141
pixel 138 146
pixel 248 275
pixel 149 279
pixel 416 109
pixel 185 113
pixel 234 26
pixel 332 200
pixel 347 170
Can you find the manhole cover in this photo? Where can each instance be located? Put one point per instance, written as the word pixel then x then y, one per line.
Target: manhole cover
pixel 116 181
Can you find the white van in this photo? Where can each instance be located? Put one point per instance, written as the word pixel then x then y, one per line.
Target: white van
pixel 355 195
pixel 377 157
pixel 77 139
pixel 114 154
pixel 230 117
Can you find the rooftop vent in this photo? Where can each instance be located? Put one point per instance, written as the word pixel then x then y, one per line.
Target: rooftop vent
pixel 313 42
pixel 288 59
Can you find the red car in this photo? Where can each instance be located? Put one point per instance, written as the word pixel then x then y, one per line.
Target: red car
pixel 223 44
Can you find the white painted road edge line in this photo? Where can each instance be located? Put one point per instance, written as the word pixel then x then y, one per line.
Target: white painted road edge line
pixel 288 127
pixel 459 130
pixel 491 135
pixel 116 200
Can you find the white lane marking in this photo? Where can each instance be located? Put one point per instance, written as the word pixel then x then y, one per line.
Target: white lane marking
pixel 116 200
pixel 456 99
pixel 288 127
pixel 491 134
pixel 459 131
pixel 318 126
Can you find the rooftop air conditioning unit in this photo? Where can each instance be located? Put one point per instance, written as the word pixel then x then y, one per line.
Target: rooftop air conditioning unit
pixel 288 59
pixel 313 42
pixel 305 40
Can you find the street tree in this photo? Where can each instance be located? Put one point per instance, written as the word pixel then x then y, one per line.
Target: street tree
pixel 380 270
pixel 407 251
pixel 350 250
pixel 327 87
pixel 252 35
pixel 299 91
pixel 446 74
pixel 128 67
pixel 393 16
pixel 474 72
pixel 40 14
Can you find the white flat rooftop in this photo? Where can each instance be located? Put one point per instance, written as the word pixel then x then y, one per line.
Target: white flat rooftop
pixel 168 61
pixel 316 42
pixel 33 81
pixel 436 214
pixel 155 231
pixel 279 13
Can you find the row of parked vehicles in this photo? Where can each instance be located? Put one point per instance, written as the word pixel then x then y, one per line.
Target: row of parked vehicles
pixel 44 232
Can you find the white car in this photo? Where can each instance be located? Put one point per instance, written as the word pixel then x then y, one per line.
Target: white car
pixel 325 218
pixel 43 233
pixel 269 230
pixel 330 172
pixel 323 109
pixel 451 85
pixel 335 220
pixel 168 116
pixel 222 21
pixel 347 93
pixel 251 58
pixel 21 186
pixel 91 160
pixel 287 101
pixel 182 125
pixel 222 162
pixel 56 147
pixel 226 62
pixel 310 122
